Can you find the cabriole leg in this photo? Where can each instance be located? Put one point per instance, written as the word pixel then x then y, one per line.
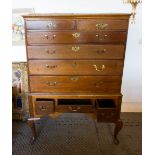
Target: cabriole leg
pixel 31 123
pixel 118 127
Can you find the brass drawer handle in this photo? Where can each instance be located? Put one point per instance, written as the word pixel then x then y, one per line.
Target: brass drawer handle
pixel 102 51
pixel 71 108
pixel 50 52
pixel 99 70
pixel 43 108
pixel 47 37
pixel 104 37
pixel 74 78
pixel 51 83
pixel 101 26
pixel 51 66
pixel 51 25
pixel 54 36
pixel 97 35
pixel 76 35
pixel 75 48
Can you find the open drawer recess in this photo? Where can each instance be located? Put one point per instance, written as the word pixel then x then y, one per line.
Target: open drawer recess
pixel 75 105
pixel 107 110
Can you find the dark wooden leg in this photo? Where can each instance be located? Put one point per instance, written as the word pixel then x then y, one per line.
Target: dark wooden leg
pixel 31 123
pixel 118 127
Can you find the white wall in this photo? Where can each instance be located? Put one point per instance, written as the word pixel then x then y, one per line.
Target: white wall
pixel 131 86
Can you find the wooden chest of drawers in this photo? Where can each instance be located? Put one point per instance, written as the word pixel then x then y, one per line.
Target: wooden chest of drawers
pixel 75 64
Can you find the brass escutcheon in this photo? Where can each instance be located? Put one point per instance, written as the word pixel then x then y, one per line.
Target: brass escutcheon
pixel 74 78
pixel 50 52
pixel 101 26
pixel 51 25
pixel 75 48
pixel 76 35
pixel 97 69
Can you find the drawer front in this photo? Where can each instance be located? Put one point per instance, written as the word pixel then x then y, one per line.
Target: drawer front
pixel 75 67
pixel 76 52
pixel 75 108
pixel 50 25
pixel 106 84
pixel 76 37
pixel 99 25
pixel 43 107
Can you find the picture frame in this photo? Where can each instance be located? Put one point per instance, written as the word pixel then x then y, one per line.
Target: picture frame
pixel 18 33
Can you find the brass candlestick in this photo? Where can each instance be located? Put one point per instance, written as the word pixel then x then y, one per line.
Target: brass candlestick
pixel 134 4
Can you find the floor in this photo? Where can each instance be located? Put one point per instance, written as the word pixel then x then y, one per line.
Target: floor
pixel 78 134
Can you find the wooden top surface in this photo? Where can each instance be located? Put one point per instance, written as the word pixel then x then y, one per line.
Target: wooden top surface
pixel 58 15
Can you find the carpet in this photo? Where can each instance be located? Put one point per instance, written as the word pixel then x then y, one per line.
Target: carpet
pixel 78 134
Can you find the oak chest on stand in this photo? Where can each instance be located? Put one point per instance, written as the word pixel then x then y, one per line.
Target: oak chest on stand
pixel 75 64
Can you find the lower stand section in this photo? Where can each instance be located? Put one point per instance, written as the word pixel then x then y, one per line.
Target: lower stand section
pixel 31 123
pixel 118 127
pixel 105 107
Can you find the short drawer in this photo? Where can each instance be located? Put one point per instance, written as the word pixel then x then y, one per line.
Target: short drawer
pixel 41 37
pixel 102 24
pixel 75 105
pixel 74 51
pixel 75 67
pixel 50 24
pixel 107 111
pixel 43 106
pixel 67 84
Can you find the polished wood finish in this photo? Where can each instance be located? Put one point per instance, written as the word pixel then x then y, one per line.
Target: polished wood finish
pixel 44 107
pixel 66 84
pixel 75 64
pixel 75 67
pixel 74 109
pixel 75 105
pixel 50 25
pixel 80 51
pixel 99 25
pixel 41 37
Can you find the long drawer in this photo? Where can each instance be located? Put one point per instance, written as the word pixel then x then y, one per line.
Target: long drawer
pixel 75 67
pixel 105 84
pixel 73 51
pixel 47 37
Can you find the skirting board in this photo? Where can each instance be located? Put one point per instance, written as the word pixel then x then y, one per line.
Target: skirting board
pixel 131 107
